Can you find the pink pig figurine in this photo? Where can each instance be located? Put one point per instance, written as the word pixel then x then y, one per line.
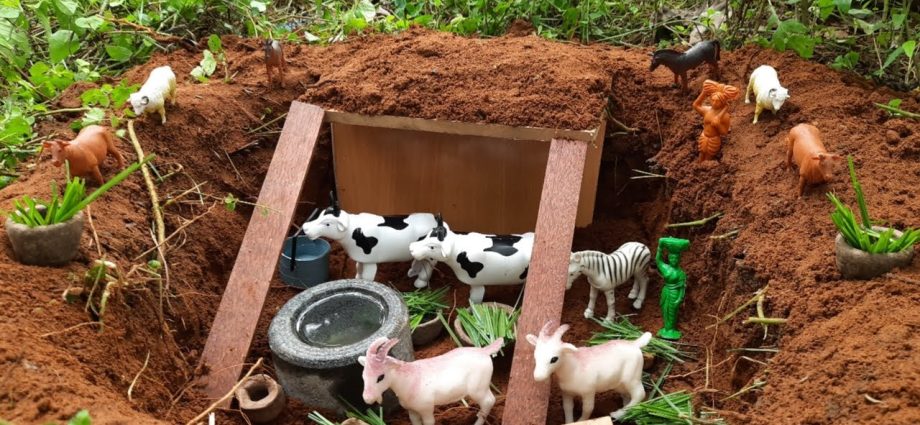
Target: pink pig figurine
pixel 583 372
pixel 423 384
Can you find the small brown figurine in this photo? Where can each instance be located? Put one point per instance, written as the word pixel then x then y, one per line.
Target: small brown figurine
pixel 274 58
pixel 716 119
pixel 680 63
pixel 86 152
pixel 816 166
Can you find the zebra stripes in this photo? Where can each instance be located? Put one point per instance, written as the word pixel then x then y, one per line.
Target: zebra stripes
pixel 607 271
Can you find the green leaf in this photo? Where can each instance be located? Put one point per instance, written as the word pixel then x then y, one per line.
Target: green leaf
pixel 895 103
pixel 62 44
pixel 208 63
pixel 67 7
pixel 81 418
pixel 897 20
pixel 860 13
pixel 258 5
pixel 908 48
pixel 94 97
pixel 843 5
pixel 367 10
pixel 91 23
pixel 803 45
pixel 93 116
pixel 9 12
pixel 118 53
pixel 896 53
pixel 214 44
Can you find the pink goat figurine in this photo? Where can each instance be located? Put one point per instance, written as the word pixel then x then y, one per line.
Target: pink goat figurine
pixel 423 384
pixel 583 372
pixel 274 58
pixel 86 152
pixel 804 145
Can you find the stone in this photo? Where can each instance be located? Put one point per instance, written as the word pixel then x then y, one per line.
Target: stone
pixel 51 245
pixel 317 337
pixel 854 263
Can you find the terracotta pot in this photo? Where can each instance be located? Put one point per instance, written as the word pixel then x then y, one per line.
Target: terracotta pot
pixel 426 332
pixel 466 339
pixel 261 398
pixel 855 263
pixel 51 245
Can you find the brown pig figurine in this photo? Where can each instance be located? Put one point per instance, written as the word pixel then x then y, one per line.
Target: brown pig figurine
pixel 85 152
pixel 274 58
pixel 804 146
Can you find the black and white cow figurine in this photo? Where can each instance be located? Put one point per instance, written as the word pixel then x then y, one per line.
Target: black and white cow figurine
pixel 478 260
pixel 371 239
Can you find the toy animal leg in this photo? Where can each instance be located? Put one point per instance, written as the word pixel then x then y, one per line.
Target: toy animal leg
pixel 568 405
pixel 112 150
pixel 714 69
pixel 423 269
pixel 587 406
pixel 97 175
pixel 476 293
pixel 268 73
pixel 359 268
pixel 801 185
pixel 683 82
pixel 636 395
pixel 757 110
pixel 281 68
pixel 676 82
pixel 428 417
pixel 788 151
pixel 485 402
pixel 641 280
pixel 369 271
pixel 610 304
pixel 592 296
pixel 173 100
pixel 162 111
pixel 747 92
pixel 415 418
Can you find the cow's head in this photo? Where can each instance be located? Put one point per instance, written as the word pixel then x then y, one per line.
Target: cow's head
pixel 57 148
pixel 549 350
pixel 777 97
pixel 332 223
pixel 437 245
pixel 827 163
pixel 376 362
pixel 575 268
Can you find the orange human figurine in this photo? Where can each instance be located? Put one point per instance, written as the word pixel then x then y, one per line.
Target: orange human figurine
pixel 716 119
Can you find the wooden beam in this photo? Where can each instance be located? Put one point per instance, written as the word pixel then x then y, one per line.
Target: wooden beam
pixel 235 323
pixel 527 400
pixel 459 127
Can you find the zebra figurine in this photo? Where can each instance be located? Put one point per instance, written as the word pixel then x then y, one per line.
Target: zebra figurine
pixel 607 271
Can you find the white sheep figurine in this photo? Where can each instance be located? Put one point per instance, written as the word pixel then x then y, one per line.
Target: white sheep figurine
pixel 159 87
pixel 423 384
pixel 607 271
pixel 477 259
pixel 583 372
pixel 371 239
pixel 768 93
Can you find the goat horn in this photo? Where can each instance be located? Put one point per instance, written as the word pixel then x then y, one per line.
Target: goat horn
pixel 386 347
pixel 545 330
pixel 560 330
pixel 375 346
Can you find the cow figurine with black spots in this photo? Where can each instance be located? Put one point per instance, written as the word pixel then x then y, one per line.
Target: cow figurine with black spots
pixel 478 260
pixel 371 239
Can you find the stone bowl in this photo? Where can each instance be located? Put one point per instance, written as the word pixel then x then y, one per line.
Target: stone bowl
pixel 51 245
pixel 261 398
pixel 855 263
pixel 427 331
pixel 318 335
pixel 458 328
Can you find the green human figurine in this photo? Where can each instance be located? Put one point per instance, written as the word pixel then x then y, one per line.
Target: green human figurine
pixel 675 283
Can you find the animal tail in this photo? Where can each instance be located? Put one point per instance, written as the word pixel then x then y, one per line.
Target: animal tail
pixel 494 346
pixel 643 340
pixel 718 49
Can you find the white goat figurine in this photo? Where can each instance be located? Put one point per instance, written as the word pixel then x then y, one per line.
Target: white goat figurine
pixel 160 86
pixel 583 372
pixel 605 272
pixel 768 94
pixel 423 384
pixel 370 239
pixel 477 259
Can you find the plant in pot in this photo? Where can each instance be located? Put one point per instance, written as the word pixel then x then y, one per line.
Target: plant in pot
pixel 48 233
pixel 864 250
pixel 480 324
pixel 425 319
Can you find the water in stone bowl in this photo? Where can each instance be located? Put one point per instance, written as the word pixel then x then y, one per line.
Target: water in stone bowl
pixel 341 319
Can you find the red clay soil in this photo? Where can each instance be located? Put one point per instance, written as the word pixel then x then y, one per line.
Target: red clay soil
pixel 848 354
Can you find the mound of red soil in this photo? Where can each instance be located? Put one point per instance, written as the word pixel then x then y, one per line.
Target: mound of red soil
pixel 847 354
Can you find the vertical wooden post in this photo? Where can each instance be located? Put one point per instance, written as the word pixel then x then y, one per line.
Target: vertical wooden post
pixel 545 290
pixel 235 323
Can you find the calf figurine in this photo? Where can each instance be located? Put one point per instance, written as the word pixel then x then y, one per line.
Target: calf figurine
pixel 86 152
pixel 274 58
pixel 768 94
pixel 605 272
pixel 159 87
pixel 583 372
pixel 477 260
pixel 680 63
pixel 423 384
pixel 370 239
pixel 816 166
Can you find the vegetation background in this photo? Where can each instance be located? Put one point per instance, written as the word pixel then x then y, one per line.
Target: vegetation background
pixel 48 45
